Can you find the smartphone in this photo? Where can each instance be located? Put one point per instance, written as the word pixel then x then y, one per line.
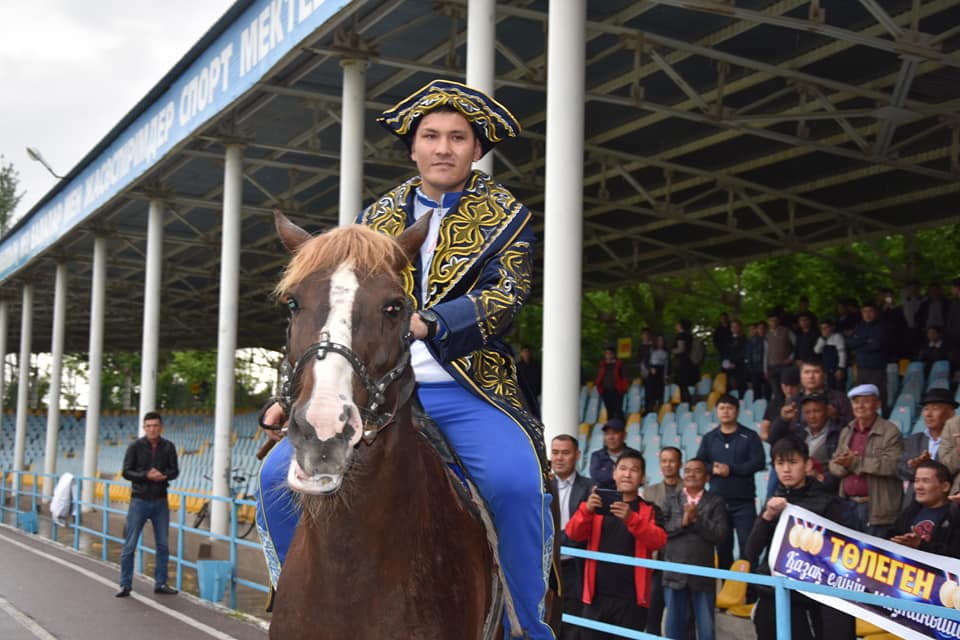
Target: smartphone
pixel 608 496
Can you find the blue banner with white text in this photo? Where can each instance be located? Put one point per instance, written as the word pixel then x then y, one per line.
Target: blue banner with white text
pixel 810 548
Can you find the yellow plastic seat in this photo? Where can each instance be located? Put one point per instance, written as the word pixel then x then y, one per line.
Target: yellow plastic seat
pixel 883 636
pixel 741 610
pixel 712 400
pixel 664 410
pixel 720 383
pixel 676 398
pixel 865 628
pixel 734 593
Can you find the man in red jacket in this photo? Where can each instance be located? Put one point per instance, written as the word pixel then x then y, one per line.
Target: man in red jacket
pixel 614 593
pixel 611 384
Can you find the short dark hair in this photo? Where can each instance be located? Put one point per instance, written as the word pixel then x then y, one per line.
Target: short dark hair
pixel 153 415
pixel 632 454
pixel 942 471
pixel 728 399
pixel 815 361
pixel 672 448
pixel 706 467
pixel 868 303
pixel 568 438
pixel 789 446
pixel 443 108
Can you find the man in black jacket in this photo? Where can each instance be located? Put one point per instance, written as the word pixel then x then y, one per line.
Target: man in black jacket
pixel 149 464
pixel 930 522
pixel 810 620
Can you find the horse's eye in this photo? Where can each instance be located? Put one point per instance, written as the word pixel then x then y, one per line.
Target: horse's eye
pixel 292 304
pixel 393 308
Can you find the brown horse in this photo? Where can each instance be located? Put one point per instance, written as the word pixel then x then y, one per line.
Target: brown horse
pixel 387 550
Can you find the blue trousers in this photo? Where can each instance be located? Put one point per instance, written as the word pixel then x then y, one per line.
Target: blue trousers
pixel 158 513
pixel 742 514
pixel 504 465
pixel 678 601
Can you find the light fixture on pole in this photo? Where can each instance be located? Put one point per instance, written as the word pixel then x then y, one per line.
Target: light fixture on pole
pixel 36 156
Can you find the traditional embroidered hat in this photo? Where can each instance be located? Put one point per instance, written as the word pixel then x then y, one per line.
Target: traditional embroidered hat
pixel 492 121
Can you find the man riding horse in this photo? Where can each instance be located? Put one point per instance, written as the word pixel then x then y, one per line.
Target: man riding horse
pixel 468 283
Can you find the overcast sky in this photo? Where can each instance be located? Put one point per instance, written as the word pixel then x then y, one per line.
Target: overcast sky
pixel 70 70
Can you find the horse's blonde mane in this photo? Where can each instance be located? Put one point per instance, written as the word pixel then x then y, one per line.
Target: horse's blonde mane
pixel 368 252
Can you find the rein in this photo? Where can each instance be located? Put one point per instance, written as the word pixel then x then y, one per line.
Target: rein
pixel 375 417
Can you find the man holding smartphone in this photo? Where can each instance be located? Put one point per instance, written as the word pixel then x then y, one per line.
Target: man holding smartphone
pixel 613 593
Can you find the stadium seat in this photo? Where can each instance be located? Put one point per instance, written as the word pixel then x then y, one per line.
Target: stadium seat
pixel 734 593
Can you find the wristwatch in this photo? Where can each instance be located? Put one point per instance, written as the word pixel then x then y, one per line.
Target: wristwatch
pixel 432 320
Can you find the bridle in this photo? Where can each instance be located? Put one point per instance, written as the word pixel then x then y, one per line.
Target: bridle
pixel 375 417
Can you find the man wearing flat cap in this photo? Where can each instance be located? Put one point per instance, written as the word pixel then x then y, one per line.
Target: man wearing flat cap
pixel 604 461
pixel 866 463
pixel 467 285
pixel 949 451
pixel 938 406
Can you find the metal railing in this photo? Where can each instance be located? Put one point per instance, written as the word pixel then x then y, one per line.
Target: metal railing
pixel 781 588
pixel 781 585
pixel 30 489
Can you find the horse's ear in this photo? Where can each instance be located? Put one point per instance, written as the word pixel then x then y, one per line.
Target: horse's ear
pixel 290 234
pixel 411 239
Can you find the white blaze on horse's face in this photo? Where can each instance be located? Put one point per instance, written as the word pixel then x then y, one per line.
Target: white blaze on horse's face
pixel 330 409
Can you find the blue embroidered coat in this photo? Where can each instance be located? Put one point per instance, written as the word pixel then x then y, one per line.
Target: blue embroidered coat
pixel 479 278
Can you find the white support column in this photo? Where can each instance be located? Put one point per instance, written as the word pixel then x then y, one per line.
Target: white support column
pixel 227 336
pixel 98 294
pixel 563 227
pixel 351 139
pixel 56 373
pixel 151 311
pixel 481 56
pixel 4 328
pixel 23 381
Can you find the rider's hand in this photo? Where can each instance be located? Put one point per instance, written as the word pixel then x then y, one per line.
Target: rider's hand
pixel 418 327
pixel 274 416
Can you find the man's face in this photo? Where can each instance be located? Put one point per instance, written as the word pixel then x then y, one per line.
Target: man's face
pixel 563 457
pixel 727 413
pixel 869 314
pixel 928 489
pixel 773 322
pixel 792 471
pixel 694 476
pixel 815 415
pixel 936 414
pixel 933 335
pixel 646 336
pixel 826 329
pixel 444 148
pixel 865 407
pixel 805 323
pixel 789 390
pixel 736 328
pixel 669 464
pixel 628 475
pixel 609 355
pixel 613 438
pixel 811 378
pixel 152 429
pixel 525 354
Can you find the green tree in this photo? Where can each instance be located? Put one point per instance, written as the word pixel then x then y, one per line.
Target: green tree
pixel 9 198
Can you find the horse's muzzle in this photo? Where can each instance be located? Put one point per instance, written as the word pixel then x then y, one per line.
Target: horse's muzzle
pixel 318 466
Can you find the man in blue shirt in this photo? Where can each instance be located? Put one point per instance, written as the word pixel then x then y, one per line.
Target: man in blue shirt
pixel 604 461
pixel 733 453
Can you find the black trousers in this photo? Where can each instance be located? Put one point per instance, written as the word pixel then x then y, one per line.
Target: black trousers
pixel 809 620
pixel 622 612
pixel 613 401
pixel 571 572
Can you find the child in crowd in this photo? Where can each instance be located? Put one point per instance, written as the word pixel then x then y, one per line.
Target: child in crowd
pixel 614 593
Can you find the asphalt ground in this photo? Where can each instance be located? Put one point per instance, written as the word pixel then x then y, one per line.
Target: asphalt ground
pixel 50 592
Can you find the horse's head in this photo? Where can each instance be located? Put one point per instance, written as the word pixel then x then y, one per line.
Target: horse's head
pixel 348 343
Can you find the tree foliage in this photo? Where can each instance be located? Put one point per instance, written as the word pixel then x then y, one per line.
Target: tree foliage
pixel 857 270
pixel 9 198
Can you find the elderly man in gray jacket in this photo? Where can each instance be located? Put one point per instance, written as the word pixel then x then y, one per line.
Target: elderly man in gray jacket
pixel 695 521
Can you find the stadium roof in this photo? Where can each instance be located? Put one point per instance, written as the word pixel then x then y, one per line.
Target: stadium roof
pixel 716 132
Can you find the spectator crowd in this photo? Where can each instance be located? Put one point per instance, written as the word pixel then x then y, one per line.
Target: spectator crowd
pixel 831 451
